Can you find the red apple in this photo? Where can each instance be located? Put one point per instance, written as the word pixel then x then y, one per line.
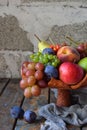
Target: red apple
pixel 70 73
pixel 67 53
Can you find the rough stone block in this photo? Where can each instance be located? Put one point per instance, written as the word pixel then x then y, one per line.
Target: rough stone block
pixel 4 70
pixel 11 62
pixel 75 31
pixel 14 2
pixel 3 2
pixel 12 36
pixel 28 1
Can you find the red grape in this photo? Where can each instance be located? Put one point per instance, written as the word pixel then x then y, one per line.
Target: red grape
pixel 39 66
pixel 25 64
pixel 24 70
pixel 31 66
pixel 31 80
pixel 42 83
pixel 30 73
pixel 39 74
pixel 23 83
pixel 80 48
pixel 35 90
pixel 27 92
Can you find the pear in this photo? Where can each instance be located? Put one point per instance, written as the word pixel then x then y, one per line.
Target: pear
pixel 42 44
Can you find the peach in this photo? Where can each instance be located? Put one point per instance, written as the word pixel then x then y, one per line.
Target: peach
pixel 67 53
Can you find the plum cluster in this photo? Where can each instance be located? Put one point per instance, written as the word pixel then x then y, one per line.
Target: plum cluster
pixel 18 113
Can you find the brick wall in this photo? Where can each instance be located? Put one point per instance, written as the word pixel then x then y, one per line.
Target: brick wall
pixel 21 19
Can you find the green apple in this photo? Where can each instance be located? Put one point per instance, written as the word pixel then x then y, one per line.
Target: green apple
pixel 83 63
pixel 42 45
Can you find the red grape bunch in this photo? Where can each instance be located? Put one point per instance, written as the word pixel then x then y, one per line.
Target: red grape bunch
pixel 82 49
pixel 32 78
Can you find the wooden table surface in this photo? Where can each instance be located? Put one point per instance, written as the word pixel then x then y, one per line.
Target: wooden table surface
pixel 11 95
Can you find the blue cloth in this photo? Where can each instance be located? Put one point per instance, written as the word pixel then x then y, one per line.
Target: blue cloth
pixel 57 117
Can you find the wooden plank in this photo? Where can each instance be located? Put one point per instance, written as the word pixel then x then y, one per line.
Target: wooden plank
pixel 53 100
pixel 11 96
pixel 84 127
pixel 33 104
pixel 70 127
pixel 3 83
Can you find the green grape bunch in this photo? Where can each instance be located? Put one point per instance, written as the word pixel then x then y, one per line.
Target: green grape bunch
pixel 46 59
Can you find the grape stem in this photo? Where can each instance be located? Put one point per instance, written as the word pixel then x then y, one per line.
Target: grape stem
pixel 37 37
pixel 69 38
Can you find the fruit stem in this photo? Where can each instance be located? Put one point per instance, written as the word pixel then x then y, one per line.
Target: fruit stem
pixel 51 41
pixel 37 37
pixel 69 38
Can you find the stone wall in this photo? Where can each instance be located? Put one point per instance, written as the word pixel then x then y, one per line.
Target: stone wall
pixel 21 19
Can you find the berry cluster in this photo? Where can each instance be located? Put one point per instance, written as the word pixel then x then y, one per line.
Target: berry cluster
pixel 56 47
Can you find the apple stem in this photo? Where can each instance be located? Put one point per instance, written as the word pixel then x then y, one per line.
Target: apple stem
pixel 37 37
pixel 69 38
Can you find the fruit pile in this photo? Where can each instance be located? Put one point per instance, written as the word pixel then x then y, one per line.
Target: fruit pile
pixel 63 62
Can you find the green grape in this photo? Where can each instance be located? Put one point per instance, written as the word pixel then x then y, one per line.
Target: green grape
pixel 57 61
pixel 31 56
pixel 54 64
pixel 41 61
pixel 49 63
pixel 45 60
pixel 54 57
pixel 45 56
pixel 50 57
pixel 35 60
pixel 40 57
pixel 38 53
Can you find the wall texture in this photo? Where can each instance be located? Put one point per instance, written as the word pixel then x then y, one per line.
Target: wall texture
pixel 21 19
